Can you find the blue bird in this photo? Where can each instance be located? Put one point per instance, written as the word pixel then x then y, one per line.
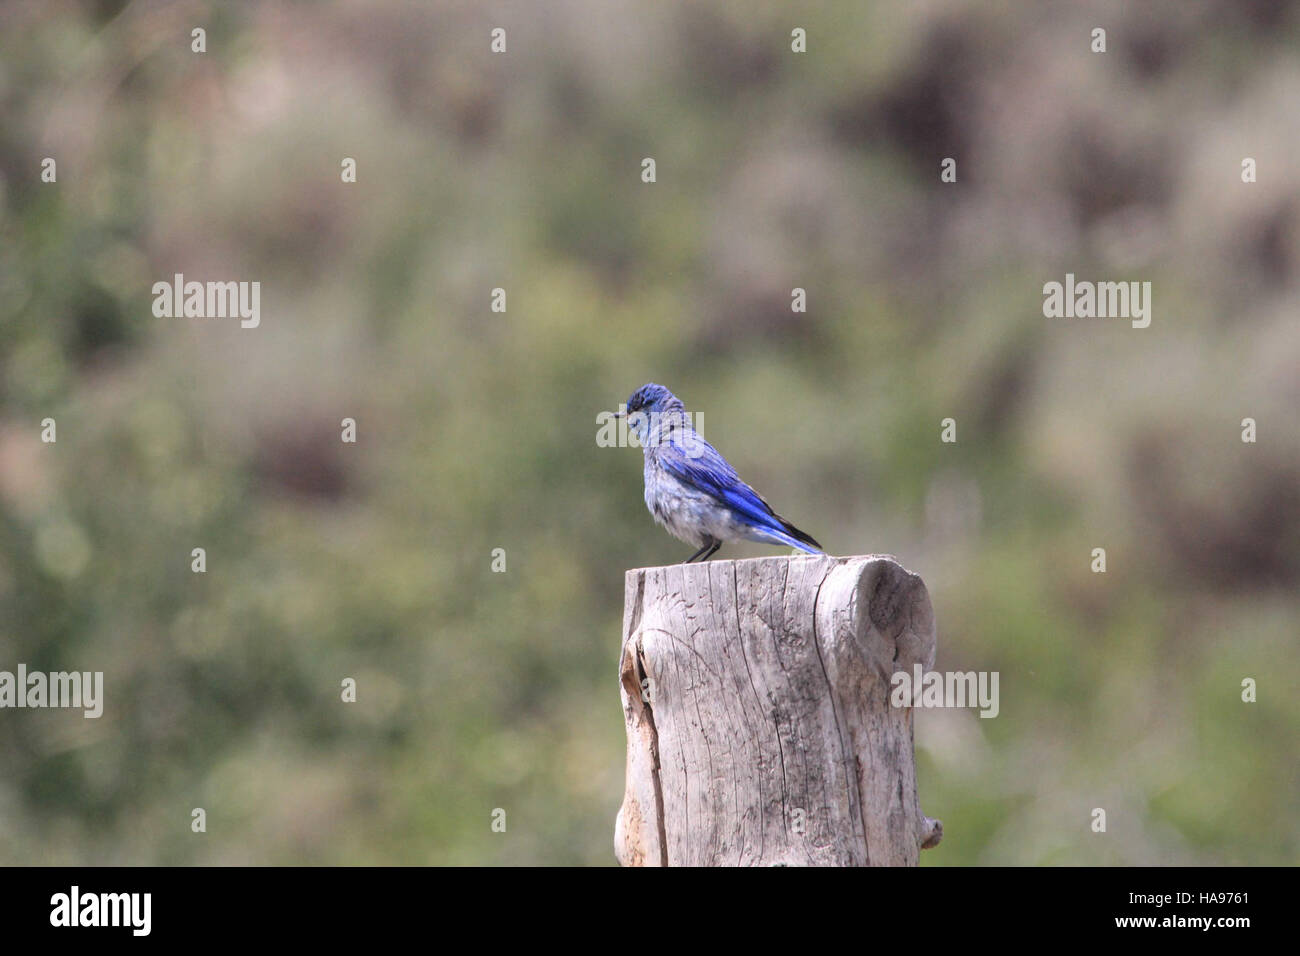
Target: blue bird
pixel 691 489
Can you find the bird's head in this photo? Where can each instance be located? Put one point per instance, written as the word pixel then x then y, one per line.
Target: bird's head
pixel 650 398
pixel 646 403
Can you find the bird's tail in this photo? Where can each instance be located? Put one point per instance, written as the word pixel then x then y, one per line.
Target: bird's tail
pixel 784 532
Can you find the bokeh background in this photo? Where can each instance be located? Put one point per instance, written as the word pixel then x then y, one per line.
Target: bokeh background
pixel 477 430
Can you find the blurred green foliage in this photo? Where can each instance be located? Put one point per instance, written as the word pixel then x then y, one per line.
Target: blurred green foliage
pixel 479 690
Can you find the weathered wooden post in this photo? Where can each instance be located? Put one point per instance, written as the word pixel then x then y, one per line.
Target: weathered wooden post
pixel 759 726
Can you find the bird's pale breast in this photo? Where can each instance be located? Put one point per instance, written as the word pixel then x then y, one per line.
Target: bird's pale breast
pixel 688 514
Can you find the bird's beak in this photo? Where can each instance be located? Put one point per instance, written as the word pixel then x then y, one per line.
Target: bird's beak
pixel 620 414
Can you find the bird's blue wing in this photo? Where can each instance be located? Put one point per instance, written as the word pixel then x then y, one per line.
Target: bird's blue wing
pixel 706 470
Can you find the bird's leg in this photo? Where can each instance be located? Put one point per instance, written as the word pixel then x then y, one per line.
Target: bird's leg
pixel 716 545
pixel 709 545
